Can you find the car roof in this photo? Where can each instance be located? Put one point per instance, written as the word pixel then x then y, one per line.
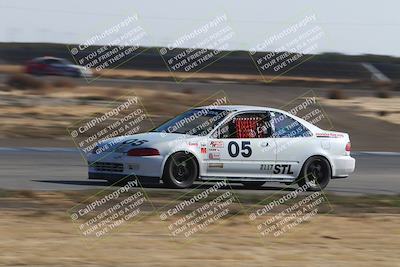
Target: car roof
pixel 236 107
pixel 47 57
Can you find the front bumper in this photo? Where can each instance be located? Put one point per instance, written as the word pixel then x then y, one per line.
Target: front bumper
pixel 116 177
pixel 115 166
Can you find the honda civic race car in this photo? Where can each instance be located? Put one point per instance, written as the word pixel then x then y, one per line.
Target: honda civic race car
pixel 246 144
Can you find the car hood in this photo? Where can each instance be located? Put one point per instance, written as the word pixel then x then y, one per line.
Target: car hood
pixel 123 144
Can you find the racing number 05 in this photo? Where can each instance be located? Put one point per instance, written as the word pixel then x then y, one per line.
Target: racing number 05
pixel 233 149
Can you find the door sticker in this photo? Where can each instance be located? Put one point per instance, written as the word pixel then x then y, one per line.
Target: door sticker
pixel 277 168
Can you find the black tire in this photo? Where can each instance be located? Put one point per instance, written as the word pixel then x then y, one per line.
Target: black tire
pixel 316 173
pixel 181 170
pixel 253 184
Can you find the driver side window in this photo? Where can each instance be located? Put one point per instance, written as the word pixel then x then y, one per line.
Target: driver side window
pixel 51 61
pixel 246 125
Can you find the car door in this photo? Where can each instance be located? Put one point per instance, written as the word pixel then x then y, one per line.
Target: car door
pixel 292 140
pixel 58 66
pixel 242 147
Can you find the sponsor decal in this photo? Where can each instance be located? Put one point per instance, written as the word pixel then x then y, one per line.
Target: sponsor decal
pixel 214 150
pixel 217 144
pixel 277 169
pixel 214 155
pixel 203 150
pixel 193 144
pixel 134 142
pixel 329 135
pixel 216 165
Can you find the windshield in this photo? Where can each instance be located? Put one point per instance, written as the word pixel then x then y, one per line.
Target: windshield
pixel 194 122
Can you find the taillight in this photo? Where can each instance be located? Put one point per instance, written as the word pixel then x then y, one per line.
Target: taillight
pixel 141 152
pixel 348 147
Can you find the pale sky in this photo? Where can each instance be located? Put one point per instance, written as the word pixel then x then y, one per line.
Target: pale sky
pixel 351 26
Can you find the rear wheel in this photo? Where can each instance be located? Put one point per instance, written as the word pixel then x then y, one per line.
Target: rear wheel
pixel 316 174
pixel 181 170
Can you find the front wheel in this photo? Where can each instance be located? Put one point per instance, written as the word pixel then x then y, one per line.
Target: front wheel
pixel 181 170
pixel 316 174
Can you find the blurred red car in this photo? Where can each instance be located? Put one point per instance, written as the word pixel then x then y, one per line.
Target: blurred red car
pixel 56 66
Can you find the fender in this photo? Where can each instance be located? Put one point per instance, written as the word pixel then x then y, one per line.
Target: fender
pixel 186 150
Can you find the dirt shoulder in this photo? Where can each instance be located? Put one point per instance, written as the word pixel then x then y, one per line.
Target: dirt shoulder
pixel 327 240
pixel 36 230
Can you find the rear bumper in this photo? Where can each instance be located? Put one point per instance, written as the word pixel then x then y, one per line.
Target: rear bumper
pixel 115 177
pixel 343 166
pixel 340 177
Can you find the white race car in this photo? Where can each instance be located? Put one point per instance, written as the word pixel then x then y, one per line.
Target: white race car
pixel 246 144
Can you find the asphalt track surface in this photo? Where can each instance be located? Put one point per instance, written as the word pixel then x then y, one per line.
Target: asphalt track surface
pixel 65 169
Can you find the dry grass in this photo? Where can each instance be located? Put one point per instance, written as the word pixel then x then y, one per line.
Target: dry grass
pixel 64 83
pixel 25 82
pixel 50 238
pixel 48 111
pixel 383 94
pixel 336 94
pixel 387 109
pixel 11 69
pixel 45 235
